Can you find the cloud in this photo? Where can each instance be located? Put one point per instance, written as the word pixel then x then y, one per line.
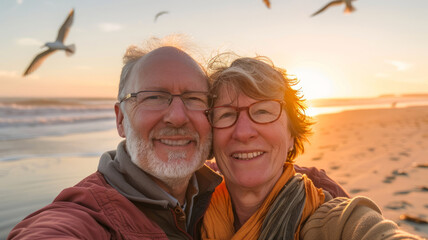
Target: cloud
pixel 110 27
pixel 29 42
pixel 401 66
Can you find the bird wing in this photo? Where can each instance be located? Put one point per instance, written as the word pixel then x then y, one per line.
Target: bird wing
pixel 267 3
pixel 38 60
pixel 333 3
pixel 160 13
pixel 65 28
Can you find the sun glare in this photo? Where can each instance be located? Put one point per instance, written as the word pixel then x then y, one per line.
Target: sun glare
pixel 313 83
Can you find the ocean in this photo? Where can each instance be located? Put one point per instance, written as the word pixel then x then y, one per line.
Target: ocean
pixel 31 118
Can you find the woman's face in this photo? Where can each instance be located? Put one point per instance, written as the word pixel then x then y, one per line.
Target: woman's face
pixel 249 154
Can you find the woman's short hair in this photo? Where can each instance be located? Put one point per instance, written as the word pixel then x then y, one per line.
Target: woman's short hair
pixel 258 78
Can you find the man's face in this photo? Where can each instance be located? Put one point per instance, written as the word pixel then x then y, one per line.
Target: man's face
pixel 174 142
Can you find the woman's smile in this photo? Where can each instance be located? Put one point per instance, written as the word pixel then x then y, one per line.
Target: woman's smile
pixel 247 155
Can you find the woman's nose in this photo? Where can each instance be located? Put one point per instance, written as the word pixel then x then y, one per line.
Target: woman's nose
pixel 244 129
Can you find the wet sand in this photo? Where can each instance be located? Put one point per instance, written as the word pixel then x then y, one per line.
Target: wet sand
pixel 46 166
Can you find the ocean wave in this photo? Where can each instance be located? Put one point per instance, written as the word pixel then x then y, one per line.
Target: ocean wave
pixel 37 121
pixel 32 118
pixel 36 112
pixel 51 155
pixel 19 109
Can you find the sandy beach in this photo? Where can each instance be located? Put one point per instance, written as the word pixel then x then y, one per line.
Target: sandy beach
pixel 377 153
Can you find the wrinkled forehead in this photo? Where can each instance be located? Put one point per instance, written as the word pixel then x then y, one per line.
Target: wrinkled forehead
pixel 168 67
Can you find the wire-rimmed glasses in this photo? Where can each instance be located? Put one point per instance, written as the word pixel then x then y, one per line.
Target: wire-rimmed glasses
pixel 160 100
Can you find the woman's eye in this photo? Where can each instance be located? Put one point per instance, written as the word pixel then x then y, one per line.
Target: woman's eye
pixel 261 112
pixel 224 114
pixel 227 114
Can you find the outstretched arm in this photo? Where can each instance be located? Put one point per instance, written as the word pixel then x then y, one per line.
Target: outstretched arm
pixel 321 180
pixel 358 218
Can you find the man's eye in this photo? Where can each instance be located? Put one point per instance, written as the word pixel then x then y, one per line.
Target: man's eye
pixel 155 97
pixel 196 99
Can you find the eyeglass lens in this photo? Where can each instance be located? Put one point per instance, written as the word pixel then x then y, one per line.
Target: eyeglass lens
pixel 157 100
pixel 259 112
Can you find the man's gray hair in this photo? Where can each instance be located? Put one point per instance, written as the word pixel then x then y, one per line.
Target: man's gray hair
pixel 134 53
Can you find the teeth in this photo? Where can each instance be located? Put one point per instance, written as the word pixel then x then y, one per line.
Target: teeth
pixel 174 142
pixel 247 155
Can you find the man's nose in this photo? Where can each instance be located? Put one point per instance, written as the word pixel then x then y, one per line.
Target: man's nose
pixel 176 114
pixel 244 128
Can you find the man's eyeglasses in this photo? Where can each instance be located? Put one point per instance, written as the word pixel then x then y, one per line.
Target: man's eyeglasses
pixel 262 112
pixel 160 100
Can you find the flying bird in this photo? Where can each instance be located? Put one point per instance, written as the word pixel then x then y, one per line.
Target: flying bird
pixel 348 9
pixel 54 46
pixel 159 14
pixel 267 3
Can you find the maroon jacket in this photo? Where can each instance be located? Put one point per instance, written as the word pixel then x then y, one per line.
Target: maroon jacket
pixel 90 210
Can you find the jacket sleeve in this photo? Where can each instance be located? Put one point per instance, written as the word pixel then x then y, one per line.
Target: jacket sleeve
pixel 321 180
pixel 354 219
pixel 60 220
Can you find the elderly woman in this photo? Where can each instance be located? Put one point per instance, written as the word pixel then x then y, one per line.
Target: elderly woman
pixel 259 126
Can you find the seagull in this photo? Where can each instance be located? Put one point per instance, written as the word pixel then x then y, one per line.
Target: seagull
pixel 53 46
pixel 348 9
pixel 160 13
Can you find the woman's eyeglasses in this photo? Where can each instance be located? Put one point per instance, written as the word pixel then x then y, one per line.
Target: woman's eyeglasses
pixel 262 112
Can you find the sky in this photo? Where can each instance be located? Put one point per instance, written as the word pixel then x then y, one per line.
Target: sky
pixel 379 49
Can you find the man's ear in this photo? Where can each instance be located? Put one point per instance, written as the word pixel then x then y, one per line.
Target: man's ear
pixel 119 120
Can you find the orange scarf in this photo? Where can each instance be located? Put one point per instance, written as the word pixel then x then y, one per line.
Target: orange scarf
pixel 218 220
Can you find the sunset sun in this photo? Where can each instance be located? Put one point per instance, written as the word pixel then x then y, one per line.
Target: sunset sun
pixel 313 83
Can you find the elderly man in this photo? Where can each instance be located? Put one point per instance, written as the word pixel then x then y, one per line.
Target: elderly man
pixel 155 185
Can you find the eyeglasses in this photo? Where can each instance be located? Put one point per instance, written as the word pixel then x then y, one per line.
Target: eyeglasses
pixel 262 112
pixel 160 100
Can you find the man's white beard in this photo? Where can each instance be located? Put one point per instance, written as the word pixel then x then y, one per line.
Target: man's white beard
pixel 177 168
